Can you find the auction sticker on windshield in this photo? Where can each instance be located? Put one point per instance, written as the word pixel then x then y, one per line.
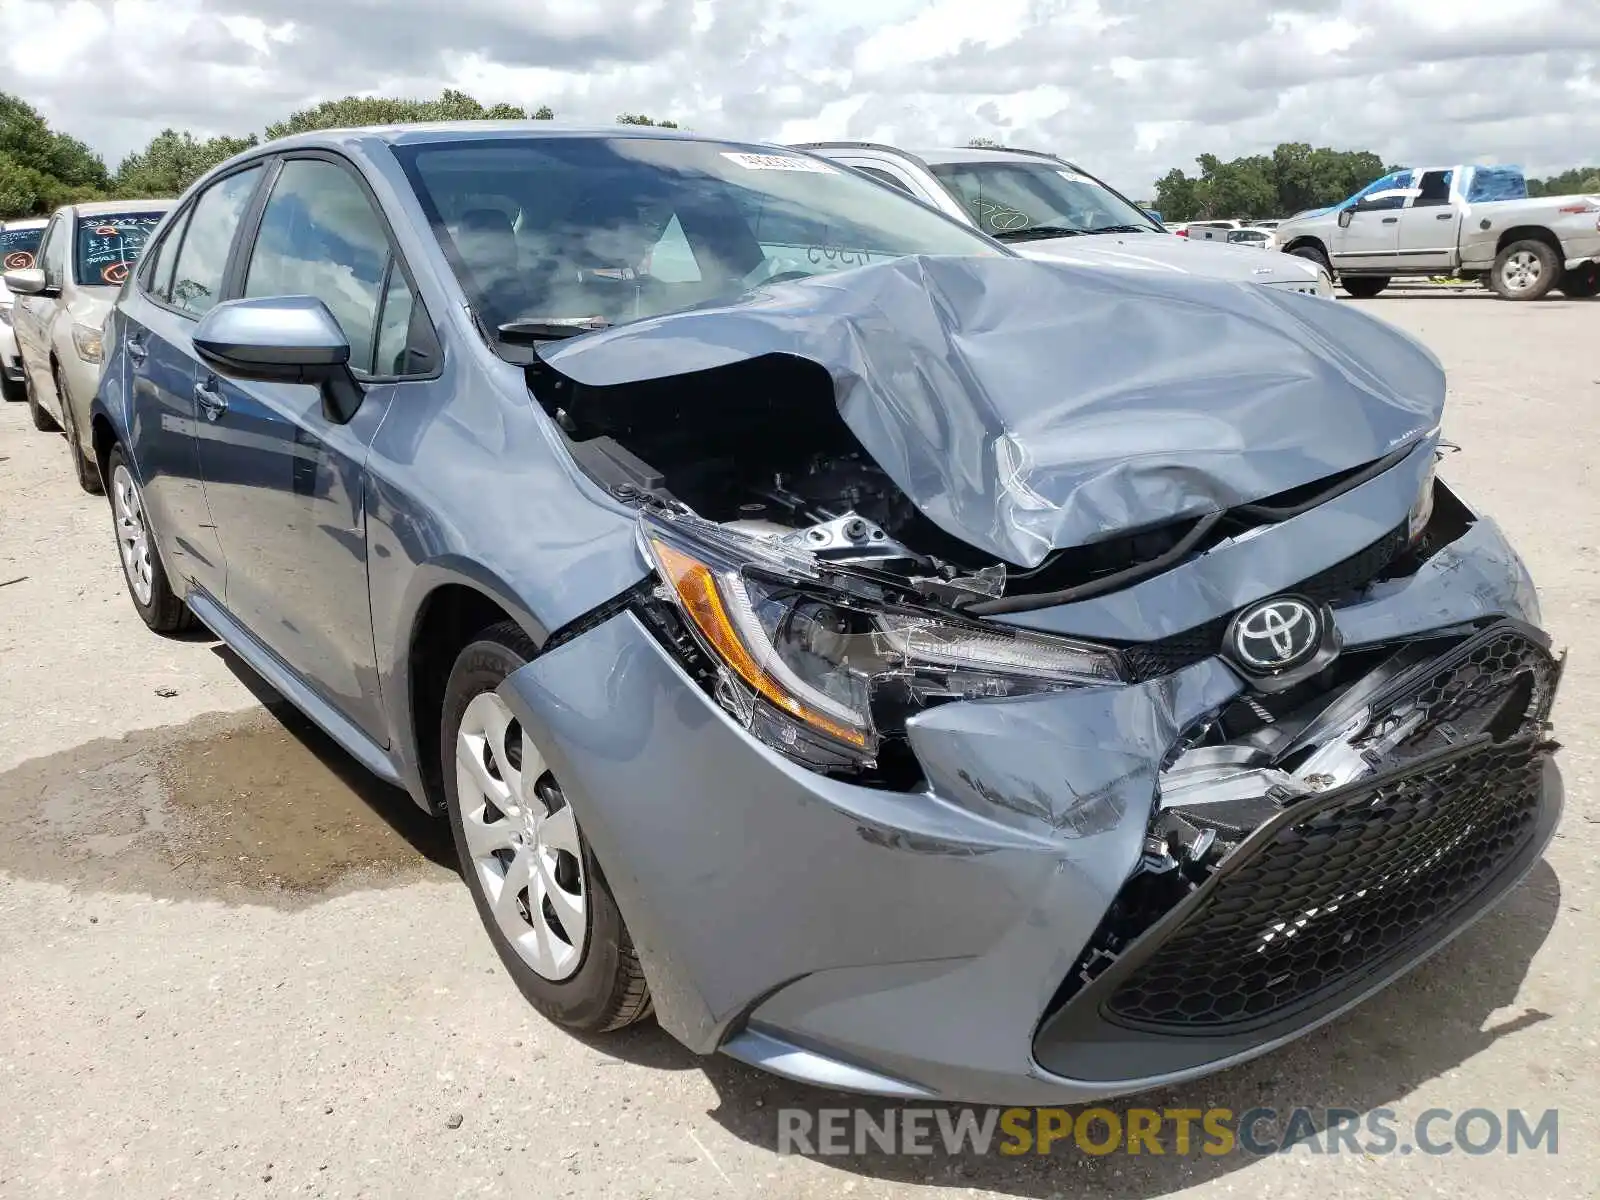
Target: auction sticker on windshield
pixel 777 162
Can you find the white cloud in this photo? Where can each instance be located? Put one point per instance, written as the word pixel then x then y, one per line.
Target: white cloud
pixel 1130 88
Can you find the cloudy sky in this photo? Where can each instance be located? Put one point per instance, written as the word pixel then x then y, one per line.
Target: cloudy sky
pixel 1129 88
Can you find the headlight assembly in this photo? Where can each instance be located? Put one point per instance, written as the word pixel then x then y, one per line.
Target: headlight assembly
pixel 1422 507
pixel 86 341
pixel 824 664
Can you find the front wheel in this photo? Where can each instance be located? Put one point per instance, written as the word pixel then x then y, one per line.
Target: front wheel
pixel 162 609
pixel 42 420
pixel 1313 254
pixel 13 390
pixel 1525 270
pixel 532 875
pixel 1363 287
pixel 82 465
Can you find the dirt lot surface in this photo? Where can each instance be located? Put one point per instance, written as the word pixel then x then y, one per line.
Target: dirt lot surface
pixel 230 965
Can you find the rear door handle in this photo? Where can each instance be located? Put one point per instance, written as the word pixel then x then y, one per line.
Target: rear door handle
pixel 1390 220
pixel 137 350
pixel 212 402
pixel 1445 216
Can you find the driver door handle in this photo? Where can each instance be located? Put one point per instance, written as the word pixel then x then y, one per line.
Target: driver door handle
pixel 1444 216
pixel 212 402
pixel 1390 220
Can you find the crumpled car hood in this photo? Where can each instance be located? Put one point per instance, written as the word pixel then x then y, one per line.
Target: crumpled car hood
pixel 1167 252
pixel 1026 406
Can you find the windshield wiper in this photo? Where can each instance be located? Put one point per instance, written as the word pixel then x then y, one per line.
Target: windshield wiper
pixel 528 333
pixel 1121 229
pixel 1037 231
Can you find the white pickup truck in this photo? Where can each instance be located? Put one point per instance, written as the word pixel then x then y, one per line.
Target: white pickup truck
pixel 1469 221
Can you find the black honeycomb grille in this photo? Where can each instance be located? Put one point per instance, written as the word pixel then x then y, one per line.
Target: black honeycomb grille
pixel 1500 683
pixel 1331 893
pixel 1152 660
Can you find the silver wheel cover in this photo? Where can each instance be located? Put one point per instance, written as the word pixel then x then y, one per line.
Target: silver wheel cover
pixel 1522 271
pixel 525 853
pixel 133 535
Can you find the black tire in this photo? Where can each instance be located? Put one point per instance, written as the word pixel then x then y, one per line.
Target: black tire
pixel 13 390
pixel 83 466
pixel 165 611
pixel 1581 283
pixel 1514 276
pixel 1313 254
pixel 42 421
pixel 607 990
pixel 1363 287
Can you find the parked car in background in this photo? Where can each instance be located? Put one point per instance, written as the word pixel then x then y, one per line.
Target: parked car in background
pixel 1469 221
pixel 898 664
pixel 1257 239
pixel 1045 207
pixel 19 243
pixel 86 253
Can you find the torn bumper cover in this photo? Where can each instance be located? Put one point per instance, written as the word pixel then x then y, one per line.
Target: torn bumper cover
pixel 1027 927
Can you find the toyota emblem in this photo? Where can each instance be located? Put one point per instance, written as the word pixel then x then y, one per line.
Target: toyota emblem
pixel 1277 634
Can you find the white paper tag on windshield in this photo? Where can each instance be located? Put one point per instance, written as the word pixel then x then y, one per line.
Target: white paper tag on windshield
pixel 777 162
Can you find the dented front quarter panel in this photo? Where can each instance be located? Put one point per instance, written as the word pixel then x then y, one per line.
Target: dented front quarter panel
pixel 923 933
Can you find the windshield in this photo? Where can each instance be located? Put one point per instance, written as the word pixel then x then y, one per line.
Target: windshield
pixel 18 246
pixel 1016 201
pixel 109 244
pixel 596 231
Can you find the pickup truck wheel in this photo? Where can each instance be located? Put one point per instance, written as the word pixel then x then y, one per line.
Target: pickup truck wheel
pixel 1314 255
pixel 1581 283
pixel 1525 270
pixel 1363 287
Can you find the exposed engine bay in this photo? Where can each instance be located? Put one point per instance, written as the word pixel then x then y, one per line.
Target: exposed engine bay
pixel 759 447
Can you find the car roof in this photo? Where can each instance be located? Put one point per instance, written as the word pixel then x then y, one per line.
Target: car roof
pixel 942 155
pixel 25 223
pixel 99 207
pixel 454 131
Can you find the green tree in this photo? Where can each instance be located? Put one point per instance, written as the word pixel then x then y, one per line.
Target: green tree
pixel 452 105
pixel 40 168
pixel 172 161
pixel 641 119
pixel 1578 181
pixel 1293 178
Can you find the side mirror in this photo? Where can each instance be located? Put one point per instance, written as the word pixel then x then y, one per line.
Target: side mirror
pixel 28 281
pixel 282 339
pixel 1344 216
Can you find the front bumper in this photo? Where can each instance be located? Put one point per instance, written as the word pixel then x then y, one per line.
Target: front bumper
pixel 920 944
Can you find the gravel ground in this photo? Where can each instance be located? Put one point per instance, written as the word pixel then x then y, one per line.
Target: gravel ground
pixel 232 966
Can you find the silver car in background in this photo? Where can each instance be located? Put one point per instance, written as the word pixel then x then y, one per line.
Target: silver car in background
pixel 19 242
pixel 60 303
pixel 1047 208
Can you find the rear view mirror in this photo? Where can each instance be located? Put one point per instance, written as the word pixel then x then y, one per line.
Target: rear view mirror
pixel 282 339
pixel 28 281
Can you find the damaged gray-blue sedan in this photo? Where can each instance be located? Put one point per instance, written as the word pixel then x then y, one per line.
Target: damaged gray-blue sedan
pixel 891 662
